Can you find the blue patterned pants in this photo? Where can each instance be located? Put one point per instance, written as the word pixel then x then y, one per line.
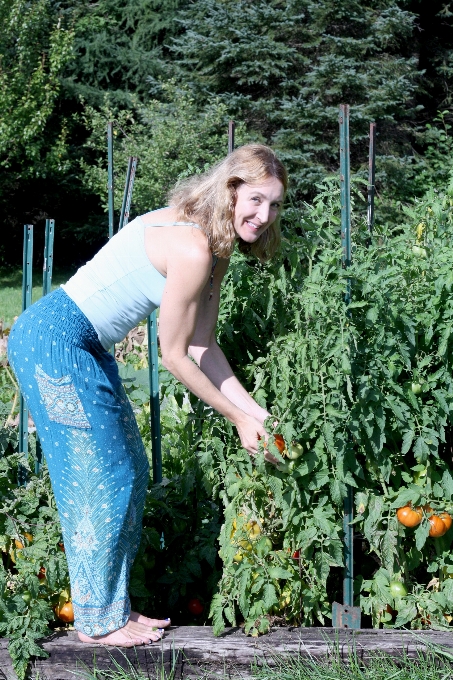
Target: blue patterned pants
pixel 96 459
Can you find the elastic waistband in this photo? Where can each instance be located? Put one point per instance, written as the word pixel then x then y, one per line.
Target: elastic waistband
pixel 59 314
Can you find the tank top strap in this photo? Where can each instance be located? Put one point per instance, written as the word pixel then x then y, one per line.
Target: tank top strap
pixel 173 224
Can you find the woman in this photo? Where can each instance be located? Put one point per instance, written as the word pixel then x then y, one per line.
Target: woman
pixel 58 349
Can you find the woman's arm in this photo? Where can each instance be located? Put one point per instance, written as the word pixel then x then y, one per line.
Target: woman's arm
pixel 210 358
pixel 186 293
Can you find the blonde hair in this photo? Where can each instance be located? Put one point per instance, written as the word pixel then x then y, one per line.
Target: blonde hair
pixel 211 199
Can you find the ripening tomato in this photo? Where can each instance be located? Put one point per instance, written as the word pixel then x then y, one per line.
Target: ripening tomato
pixel 295 451
pixel 397 589
pixel 65 613
pixel 26 596
pixel 18 542
pixel 61 546
pixel 278 441
pixel 253 529
pixel 409 516
pixel 446 519
pixel 195 607
pixel 439 527
pixel 419 252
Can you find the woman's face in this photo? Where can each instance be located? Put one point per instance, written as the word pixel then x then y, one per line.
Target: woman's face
pixel 257 206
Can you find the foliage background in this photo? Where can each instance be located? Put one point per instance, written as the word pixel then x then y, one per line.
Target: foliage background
pixel 279 68
pixel 171 74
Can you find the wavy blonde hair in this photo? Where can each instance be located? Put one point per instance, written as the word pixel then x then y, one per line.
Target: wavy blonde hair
pixel 210 199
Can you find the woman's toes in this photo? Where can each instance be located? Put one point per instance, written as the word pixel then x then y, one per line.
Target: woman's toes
pixel 152 623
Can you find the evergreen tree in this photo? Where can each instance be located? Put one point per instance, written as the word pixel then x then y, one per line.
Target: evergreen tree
pixel 284 67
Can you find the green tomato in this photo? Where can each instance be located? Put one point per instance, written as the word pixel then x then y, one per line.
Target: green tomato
pixel 397 589
pixel 26 596
pixel 416 388
pixel 295 451
pixel 419 252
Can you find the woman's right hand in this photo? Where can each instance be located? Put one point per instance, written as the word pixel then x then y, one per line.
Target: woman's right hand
pixel 250 431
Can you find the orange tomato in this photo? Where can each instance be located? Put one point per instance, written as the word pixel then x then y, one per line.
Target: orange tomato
pixel 440 524
pixel 446 519
pixel 437 527
pixel 278 441
pixel 408 516
pixel 65 613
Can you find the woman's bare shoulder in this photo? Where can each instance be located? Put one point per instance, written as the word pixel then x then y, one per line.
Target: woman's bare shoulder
pixel 164 215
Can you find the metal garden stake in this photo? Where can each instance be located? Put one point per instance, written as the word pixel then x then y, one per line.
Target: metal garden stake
pixel 371 177
pixel 231 128
pixel 27 284
pixel 48 257
pixel 128 188
pixel 346 615
pixel 153 363
pixel 46 288
pixel 110 178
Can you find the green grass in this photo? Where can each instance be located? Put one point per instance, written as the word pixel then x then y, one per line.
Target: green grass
pixel 11 291
pixel 433 664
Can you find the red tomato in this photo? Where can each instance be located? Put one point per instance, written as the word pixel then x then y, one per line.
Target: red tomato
pixel 195 607
pixel 42 573
pixel 296 555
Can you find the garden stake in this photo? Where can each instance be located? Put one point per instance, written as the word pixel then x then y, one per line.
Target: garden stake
pixel 48 257
pixel 371 177
pixel 110 178
pixel 128 187
pixel 46 288
pixel 346 615
pixel 153 363
pixel 27 283
pixel 231 127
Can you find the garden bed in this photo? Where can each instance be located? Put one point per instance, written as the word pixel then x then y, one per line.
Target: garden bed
pixel 193 651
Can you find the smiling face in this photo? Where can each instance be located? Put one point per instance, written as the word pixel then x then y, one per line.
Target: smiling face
pixel 257 206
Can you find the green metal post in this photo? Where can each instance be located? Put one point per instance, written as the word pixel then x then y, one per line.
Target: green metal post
pixel 46 288
pixel 48 257
pixel 27 283
pixel 345 197
pixel 110 186
pixel 231 128
pixel 371 177
pixel 154 397
pixel 127 195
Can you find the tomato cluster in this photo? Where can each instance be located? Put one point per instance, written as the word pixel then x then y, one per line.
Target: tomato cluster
pixel 411 517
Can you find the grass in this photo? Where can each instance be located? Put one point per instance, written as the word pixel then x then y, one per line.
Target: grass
pixel 435 663
pixel 11 291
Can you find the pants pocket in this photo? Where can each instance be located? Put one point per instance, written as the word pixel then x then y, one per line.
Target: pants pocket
pixel 60 400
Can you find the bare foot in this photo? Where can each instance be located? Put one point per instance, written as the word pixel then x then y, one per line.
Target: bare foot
pixel 131 635
pixel 151 623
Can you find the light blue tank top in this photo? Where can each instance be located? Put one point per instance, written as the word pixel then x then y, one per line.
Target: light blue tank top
pixel 119 287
